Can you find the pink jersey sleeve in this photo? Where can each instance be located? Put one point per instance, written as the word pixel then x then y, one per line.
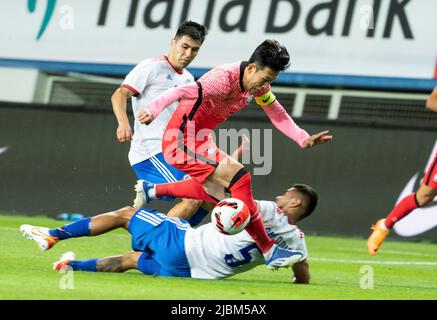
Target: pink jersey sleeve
pixel 188 91
pixel 284 123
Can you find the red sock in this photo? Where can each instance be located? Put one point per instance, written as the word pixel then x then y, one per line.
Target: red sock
pixel 402 209
pixel 242 189
pixel 189 188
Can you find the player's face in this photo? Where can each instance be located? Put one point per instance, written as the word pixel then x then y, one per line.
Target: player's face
pixel 183 51
pixel 258 79
pixel 292 203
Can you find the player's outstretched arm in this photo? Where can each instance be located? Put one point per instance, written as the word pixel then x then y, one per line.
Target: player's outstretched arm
pixel 165 99
pixel 284 123
pixel 301 272
pixel 431 102
pixel 119 106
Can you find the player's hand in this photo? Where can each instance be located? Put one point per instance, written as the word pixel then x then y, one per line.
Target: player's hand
pixel 245 143
pixel 315 139
pixel 145 117
pixel 242 149
pixel 124 133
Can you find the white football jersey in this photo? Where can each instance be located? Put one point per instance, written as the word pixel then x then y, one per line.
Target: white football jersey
pixel 213 255
pixel 149 79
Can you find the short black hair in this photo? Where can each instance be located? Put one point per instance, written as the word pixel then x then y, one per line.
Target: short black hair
pixel 194 30
pixel 271 54
pixel 312 196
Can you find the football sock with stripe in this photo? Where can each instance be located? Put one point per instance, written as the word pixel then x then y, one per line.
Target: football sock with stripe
pixel 241 188
pixel 188 188
pixel 76 229
pixel 83 265
pixel 198 217
pixel 403 208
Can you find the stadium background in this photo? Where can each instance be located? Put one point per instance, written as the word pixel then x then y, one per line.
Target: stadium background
pixel 58 151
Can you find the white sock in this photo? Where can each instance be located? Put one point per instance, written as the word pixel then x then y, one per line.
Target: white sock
pixel 152 193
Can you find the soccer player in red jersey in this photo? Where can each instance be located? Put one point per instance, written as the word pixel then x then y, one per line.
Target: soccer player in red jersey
pixel 204 105
pixel 424 195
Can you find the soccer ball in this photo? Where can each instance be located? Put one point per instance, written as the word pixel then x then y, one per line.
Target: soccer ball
pixel 230 216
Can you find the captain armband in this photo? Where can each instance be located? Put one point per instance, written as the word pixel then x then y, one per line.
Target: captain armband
pixel 266 99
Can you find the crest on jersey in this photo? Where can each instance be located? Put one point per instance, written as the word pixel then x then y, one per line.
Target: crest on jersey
pixel 211 151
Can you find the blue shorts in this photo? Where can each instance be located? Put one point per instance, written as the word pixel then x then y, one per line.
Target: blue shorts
pixel 157 170
pixel 162 241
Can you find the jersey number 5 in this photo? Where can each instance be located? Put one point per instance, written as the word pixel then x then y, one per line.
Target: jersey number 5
pixel 231 261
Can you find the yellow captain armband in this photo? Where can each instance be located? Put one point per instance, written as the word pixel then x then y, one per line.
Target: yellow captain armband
pixel 266 99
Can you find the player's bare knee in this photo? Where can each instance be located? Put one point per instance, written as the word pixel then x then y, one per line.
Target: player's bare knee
pixel 225 172
pixel 238 175
pixel 425 198
pixel 130 260
pixel 125 214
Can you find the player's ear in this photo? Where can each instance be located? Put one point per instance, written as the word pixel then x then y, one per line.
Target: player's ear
pixel 251 67
pixel 295 202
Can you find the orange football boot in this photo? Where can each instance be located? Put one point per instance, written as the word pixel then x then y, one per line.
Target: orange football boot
pixel 380 232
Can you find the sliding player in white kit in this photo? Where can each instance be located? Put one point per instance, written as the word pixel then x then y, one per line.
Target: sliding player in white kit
pixel 145 82
pixel 168 246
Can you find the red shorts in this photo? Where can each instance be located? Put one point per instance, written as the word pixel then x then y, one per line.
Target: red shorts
pixel 189 149
pixel 430 178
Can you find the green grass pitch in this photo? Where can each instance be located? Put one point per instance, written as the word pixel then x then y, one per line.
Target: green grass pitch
pixel 340 269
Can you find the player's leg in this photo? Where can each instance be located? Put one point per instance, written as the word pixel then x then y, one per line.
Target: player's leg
pixel 424 195
pixel 232 175
pixel 208 163
pixel 199 160
pixel 120 263
pixel 185 209
pixel 91 226
pixel 208 196
pixel 158 242
pixel 185 188
pixel 213 190
pixel 156 170
pixel 428 190
pixel 162 239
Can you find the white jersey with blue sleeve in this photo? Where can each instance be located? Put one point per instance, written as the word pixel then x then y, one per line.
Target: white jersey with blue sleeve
pixel 212 255
pixel 147 80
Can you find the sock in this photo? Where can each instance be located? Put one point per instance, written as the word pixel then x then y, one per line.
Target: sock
pixel 76 229
pixel 198 217
pixel 403 208
pixel 242 189
pixel 83 265
pixel 188 188
pixel 152 192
